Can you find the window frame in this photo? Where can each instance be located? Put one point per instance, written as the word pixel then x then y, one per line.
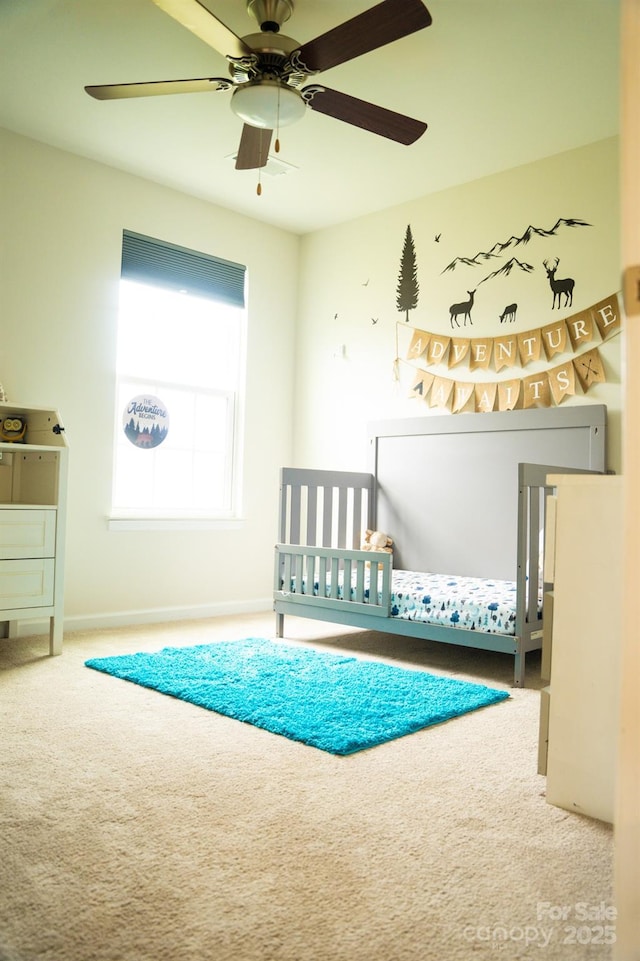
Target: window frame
pixel 234 295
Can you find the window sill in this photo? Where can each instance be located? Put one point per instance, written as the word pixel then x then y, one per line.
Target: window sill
pixel 175 523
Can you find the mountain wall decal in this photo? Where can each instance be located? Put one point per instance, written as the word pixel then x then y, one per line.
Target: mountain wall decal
pixel 514 241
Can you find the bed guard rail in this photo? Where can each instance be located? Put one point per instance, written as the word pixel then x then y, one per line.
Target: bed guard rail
pixel 334 578
pixel 331 508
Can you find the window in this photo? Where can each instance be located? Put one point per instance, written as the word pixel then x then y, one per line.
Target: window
pixel 180 360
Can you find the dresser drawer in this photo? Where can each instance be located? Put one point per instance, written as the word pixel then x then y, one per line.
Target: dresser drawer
pixel 27 533
pixel 26 583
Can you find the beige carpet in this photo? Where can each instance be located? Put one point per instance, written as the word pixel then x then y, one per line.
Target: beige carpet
pixel 137 827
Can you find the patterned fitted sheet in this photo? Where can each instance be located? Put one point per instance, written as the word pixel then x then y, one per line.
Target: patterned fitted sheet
pixel 472 603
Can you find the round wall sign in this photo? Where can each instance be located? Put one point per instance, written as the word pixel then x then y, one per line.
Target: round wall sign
pixel 145 421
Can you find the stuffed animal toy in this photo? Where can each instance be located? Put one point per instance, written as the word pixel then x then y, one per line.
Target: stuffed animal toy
pixel 377 541
pixel 13 429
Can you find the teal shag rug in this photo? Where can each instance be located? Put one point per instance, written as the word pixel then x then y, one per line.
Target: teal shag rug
pixel 334 702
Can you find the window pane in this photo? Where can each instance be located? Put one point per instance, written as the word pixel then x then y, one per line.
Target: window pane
pixel 178 337
pixel 191 469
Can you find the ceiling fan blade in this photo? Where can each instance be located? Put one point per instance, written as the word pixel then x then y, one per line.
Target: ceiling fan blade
pixel 199 20
pixel 254 146
pixel 360 113
pixel 387 21
pixel 119 91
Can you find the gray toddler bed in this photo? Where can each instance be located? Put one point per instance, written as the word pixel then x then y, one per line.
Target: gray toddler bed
pixel 462 494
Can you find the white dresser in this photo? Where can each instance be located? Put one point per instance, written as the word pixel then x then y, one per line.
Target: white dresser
pixel 584 562
pixel 33 497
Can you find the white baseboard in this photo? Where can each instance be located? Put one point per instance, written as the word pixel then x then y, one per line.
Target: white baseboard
pixel 91 622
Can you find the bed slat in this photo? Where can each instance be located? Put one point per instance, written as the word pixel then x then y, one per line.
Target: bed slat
pixel 342 517
pixel 294 515
pixel 327 516
pixel 312 514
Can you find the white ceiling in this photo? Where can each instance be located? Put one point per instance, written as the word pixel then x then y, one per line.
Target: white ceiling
pixel 500 83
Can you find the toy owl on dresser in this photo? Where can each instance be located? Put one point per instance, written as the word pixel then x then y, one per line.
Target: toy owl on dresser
pixel 12 429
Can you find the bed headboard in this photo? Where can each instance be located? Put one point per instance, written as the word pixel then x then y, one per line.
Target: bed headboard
pixel 447 486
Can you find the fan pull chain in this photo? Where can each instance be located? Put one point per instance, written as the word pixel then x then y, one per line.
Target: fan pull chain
pixel 259 186
pixel 276 145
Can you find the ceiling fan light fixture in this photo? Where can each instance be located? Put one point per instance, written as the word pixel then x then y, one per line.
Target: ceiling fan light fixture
pixel 268 104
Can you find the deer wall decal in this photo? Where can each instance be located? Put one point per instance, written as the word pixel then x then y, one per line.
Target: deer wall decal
pixel 559 287
pixel 464 308
pixel 509 313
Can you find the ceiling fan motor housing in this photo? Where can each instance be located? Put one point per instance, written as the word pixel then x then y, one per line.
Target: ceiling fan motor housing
pixel 270 14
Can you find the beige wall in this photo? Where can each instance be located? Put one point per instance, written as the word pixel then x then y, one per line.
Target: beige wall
pixel 349 274
pixel 62 219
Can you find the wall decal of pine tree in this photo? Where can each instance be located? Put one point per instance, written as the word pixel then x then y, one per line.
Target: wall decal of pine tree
pixel 408 288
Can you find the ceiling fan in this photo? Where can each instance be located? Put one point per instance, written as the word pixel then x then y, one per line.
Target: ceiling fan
pixel 267 70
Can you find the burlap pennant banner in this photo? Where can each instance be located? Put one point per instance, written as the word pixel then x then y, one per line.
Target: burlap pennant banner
pixel 515 350
pixel 546 389
pixel 601 321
